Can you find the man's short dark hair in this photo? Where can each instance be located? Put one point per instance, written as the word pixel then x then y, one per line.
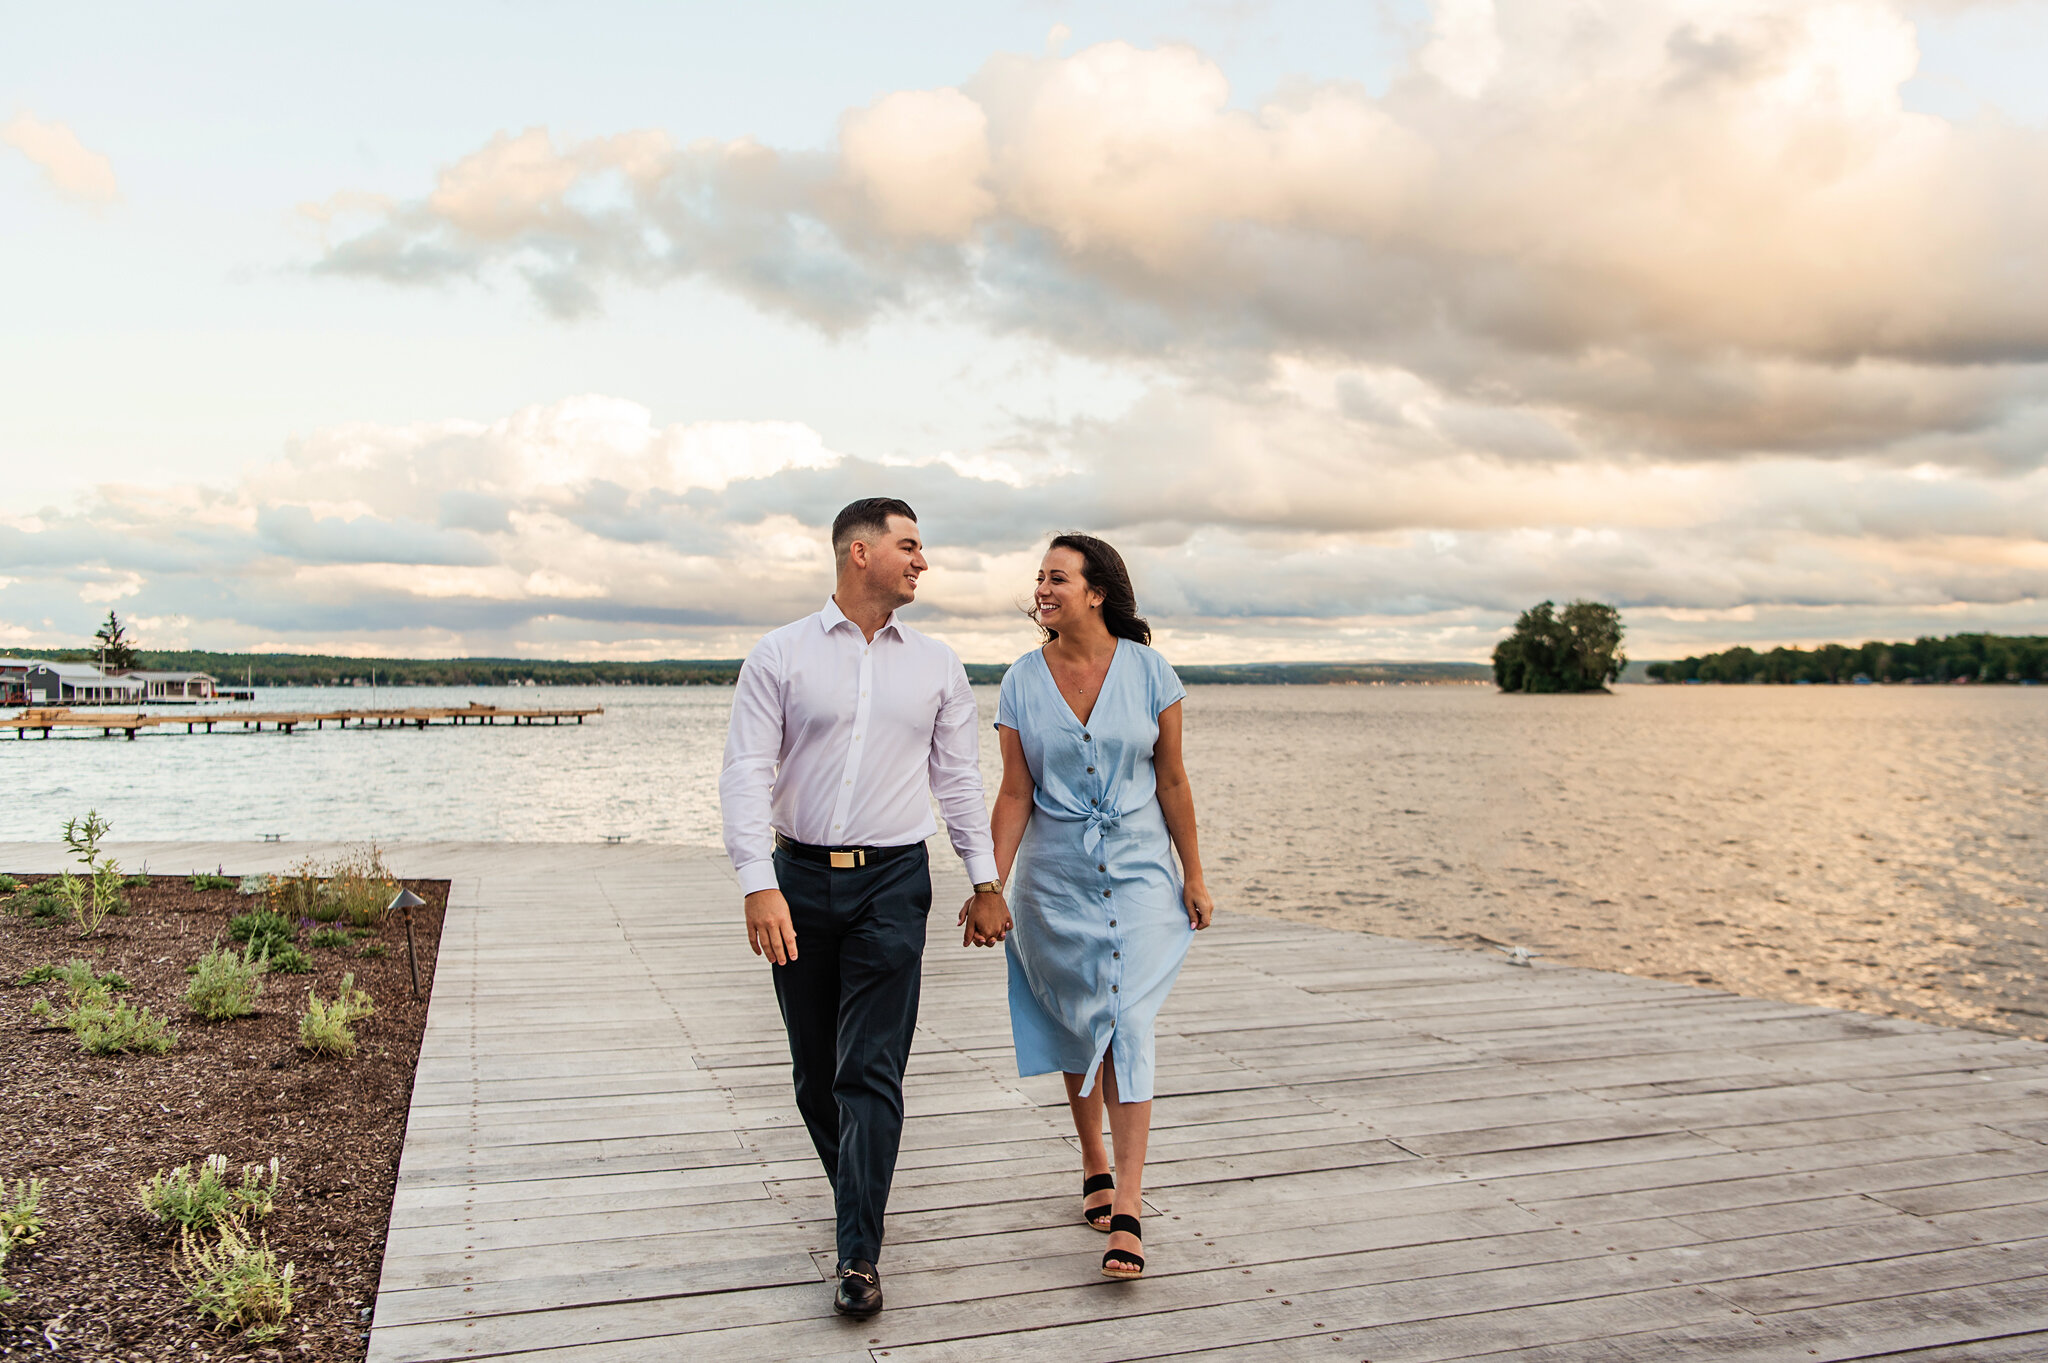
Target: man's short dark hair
pixel 866 519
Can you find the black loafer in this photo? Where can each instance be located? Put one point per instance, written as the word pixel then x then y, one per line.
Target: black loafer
pixel 860 1290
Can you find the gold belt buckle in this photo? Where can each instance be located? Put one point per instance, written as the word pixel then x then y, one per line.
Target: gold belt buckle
pixel 846 861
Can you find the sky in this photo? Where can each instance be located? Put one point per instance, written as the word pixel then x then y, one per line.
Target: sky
pixel 562 331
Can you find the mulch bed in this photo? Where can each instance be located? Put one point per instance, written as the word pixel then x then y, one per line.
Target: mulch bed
pixel 99 1284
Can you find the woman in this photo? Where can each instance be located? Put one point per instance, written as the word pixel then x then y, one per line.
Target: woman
pixel 1093 805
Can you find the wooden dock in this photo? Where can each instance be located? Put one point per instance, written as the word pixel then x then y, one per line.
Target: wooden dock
pixel 285 721
pixel 1364 1148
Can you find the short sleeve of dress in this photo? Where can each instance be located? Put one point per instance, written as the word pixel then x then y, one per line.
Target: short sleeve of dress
pixel 1166 687
pixel 1006 699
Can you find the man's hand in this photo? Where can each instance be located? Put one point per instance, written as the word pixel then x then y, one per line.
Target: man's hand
pixel 769 931
pixel 987 920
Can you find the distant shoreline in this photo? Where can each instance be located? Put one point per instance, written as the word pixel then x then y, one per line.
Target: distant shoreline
pixel 322 670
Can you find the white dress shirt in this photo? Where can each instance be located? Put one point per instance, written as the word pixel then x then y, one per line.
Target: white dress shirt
pixel 864 733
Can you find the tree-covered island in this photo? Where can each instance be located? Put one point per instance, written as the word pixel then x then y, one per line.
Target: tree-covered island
pixel 1551 650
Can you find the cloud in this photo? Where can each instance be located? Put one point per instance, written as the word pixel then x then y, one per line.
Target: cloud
pixel 1698 230
pixel 74 170
pixel 1342 512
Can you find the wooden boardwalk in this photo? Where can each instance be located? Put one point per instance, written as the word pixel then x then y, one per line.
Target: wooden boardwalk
pixel 1365 1148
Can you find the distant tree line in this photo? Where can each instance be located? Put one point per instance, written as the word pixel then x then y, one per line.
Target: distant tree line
pixel 1959 657
pixel 319 669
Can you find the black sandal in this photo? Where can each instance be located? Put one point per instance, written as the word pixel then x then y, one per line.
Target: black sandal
pixel 1124 1263
pixel 1097 1217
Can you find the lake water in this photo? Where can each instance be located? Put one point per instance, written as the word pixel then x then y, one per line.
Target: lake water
pixel 1876 848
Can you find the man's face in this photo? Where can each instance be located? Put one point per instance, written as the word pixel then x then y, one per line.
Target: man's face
pixel 894 560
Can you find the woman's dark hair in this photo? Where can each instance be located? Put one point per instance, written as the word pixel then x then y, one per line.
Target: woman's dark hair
pixel 1103 569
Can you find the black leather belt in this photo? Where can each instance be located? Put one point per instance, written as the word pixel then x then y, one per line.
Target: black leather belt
pixel 840 858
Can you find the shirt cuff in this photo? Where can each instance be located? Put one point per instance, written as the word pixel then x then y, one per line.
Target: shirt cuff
pixel 758 875
pixel 981 868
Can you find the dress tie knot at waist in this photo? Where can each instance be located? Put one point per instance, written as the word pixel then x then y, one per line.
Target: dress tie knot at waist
pixel 1097 822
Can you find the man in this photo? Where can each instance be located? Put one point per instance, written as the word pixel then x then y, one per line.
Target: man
pixel 867 720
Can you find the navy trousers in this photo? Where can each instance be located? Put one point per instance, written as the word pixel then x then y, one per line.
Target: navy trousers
pixel 849 1002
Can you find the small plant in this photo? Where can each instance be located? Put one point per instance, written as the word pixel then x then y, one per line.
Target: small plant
pixel 124 1027
pixel 324 1028
pixel 40 900
pixel 77 976
pixel 375 951
pixel 261 929
pixel 297 894
pixel 205 1200
pixel 226 983
pixel 21 1220
pixel 138 881
pixel 358 934
pixel 236 1281
pixel 288 960
pixel 328 937
pixel 206 880
pixel 362 887
pixel 8 884
pixel 90 898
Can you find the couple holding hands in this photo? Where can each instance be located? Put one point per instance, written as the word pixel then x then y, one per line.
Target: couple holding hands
pixel 845 726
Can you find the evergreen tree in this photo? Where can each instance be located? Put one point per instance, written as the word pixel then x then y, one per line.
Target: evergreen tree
pixel 1576 649
pixel 116 653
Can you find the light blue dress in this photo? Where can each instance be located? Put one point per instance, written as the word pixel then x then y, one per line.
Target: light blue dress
pixel 1101 927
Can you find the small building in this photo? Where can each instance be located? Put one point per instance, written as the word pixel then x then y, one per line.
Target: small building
pixel 80 684
pixel 14 679
pixel 175 686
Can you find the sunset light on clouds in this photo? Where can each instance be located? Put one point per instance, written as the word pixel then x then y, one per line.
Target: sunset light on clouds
pixel 1732 313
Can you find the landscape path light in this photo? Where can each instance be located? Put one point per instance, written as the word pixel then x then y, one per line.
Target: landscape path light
pixel 406 902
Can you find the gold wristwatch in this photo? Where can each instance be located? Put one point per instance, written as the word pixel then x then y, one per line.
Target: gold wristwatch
pixel 989 887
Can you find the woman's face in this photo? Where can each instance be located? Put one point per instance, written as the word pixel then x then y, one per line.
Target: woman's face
pixel 1063 592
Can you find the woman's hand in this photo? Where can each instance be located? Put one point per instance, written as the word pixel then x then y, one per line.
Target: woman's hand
pixel 1201 908
pixel 987 920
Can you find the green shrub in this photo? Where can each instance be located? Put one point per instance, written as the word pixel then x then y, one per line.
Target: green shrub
pixel 76 974
pixel 8 884
pixel 358 934
pixel 237 1282
pixel 226 983
pixel 205 880
pixel 21 1220
pixel 102 1026
pixel 328 937
pixel 288 960
pixel 324 1028
pixel 261 928
pixel 205 1200
pixel 138 881
pixel 373 950
pixel 42 901
pixel 124 1027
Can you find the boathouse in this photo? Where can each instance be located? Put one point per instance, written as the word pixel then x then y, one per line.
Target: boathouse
pixel 175 686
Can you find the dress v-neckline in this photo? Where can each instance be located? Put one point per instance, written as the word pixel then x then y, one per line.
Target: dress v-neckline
pixel 1115 657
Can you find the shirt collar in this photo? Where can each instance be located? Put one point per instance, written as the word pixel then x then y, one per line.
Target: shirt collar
pixel 832 618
